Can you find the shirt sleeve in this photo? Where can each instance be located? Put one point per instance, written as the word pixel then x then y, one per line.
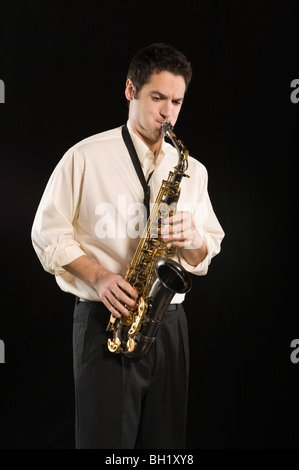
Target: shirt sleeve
pixel 206 223
pixel 53 227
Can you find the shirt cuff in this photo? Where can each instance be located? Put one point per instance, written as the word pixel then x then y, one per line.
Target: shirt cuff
pixel 62 256
pixel 200 270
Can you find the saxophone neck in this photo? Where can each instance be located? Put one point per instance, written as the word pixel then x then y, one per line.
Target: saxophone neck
pixel 183 153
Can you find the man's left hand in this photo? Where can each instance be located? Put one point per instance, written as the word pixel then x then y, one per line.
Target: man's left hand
pixel 179 230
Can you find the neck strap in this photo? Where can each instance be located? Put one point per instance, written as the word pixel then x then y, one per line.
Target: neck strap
pixel 136 162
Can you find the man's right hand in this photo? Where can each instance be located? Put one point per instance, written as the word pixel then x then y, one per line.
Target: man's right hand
pixel 111 288
pixel 114 292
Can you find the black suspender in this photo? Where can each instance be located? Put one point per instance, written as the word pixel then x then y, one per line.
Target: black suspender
pixel 137 166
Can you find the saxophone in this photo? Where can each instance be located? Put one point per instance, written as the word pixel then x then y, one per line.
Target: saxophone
pixel 153 274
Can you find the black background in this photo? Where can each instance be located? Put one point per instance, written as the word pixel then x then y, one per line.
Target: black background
pixel 64 66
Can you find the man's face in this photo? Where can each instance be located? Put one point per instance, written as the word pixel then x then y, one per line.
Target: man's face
pixel 158 101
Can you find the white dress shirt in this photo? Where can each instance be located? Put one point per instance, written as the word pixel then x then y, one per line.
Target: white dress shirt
pixel 93 203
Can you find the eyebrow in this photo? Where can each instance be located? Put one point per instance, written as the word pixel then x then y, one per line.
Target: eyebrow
pixel 164 97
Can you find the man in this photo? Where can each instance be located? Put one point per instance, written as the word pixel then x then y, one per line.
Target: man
pixel 85 233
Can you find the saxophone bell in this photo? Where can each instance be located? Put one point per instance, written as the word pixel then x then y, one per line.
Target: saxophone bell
pixel 171 278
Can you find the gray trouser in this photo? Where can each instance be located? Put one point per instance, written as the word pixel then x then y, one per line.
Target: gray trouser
pixel 121 404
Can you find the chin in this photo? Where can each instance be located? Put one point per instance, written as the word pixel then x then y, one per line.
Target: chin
pixel 154 133
pixel 158 133
pixel 157 136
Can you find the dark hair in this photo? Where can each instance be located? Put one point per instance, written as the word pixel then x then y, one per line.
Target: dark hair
pixel 155 59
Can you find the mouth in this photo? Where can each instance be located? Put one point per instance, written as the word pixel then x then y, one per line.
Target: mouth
pixel 161 123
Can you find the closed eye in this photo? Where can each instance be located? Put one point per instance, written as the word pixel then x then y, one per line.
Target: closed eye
pixel 159 98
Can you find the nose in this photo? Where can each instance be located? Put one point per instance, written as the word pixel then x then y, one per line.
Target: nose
pixel 165 109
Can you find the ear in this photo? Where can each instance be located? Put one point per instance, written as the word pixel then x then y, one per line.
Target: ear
pixel 130 90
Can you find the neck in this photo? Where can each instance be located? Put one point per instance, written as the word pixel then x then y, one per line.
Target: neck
pixel 153 145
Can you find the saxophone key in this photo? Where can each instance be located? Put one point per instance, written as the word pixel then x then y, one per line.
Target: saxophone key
pixel 131 344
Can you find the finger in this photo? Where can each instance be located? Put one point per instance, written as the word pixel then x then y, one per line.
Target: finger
pixel 127 288
pixel 179 235
pixel 111 309
pixel 121 296
pixel 181 224
pixel 169 230
pixel 122 291
pixel 184 234
pixel 116 307
pixel 177 217
pixel 173 218
pixel 183 243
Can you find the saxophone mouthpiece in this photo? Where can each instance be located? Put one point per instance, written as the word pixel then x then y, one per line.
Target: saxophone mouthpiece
pixel 167 127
